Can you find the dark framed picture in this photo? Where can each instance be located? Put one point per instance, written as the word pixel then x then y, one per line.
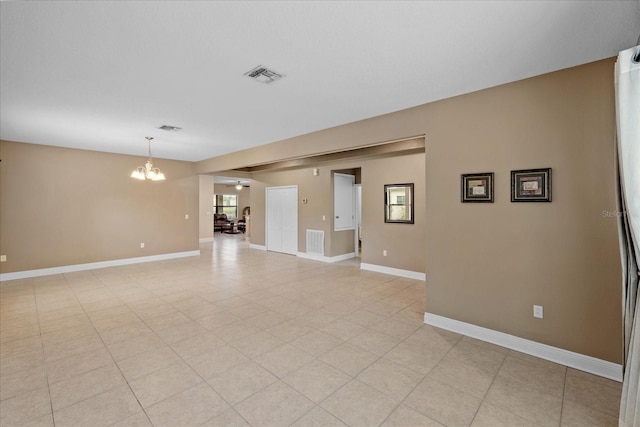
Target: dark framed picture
pixel 477 188
pixel 532 185
pixel 398 203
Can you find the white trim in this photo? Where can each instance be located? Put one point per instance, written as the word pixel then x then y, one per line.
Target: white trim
pixel 258 247
pixel 93 265
pixel 342 257
pixel 393 271
pixel 206 239
pixel 357 199
pixel 323 258
pixel 578 361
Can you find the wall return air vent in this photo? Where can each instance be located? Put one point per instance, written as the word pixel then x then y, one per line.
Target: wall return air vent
pixel 263 75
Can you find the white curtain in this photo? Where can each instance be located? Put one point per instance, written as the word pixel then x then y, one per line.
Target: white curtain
pixel 627 80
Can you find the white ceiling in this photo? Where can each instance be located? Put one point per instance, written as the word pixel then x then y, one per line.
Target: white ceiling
pixel 103 75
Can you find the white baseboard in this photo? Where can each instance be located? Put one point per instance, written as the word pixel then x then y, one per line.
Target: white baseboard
pixel 206 239
pixel 258 247
pixel 328 259
pixel 393 271
pixel 93 265
pixel 578 361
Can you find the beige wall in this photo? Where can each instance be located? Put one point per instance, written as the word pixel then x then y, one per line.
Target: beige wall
pixel 314 188
pixel 487 264
pixel 206 206
pixel 62 206
pixel 404 242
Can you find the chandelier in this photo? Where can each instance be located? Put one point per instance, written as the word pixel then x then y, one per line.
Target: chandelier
pixel 148 171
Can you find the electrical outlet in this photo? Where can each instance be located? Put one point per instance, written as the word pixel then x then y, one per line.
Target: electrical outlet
pixel 3 258
pixel 324 218
pixel 142 245
pixel 538 311
pixel 384 252
pixel 186 216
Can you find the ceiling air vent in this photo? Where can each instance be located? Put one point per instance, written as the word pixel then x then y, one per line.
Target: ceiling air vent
pixel 263 75
pixel 169 128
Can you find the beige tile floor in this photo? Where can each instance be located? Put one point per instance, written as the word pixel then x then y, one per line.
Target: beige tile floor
pixel 240 337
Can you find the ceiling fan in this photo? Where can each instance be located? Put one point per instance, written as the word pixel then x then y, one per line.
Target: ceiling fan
pixel 238 186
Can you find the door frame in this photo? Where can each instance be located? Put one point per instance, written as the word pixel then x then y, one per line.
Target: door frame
pixel 358 219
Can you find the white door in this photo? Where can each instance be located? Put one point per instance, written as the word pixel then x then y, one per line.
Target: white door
pixel 358 199
pixel 282 219
pixel 344 202
pixel 273 221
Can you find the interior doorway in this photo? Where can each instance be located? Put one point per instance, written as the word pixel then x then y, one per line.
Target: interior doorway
pixel 348 209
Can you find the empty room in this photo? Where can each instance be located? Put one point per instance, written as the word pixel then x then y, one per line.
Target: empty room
pixel 318 213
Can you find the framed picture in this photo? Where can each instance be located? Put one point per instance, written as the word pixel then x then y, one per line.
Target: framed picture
pixel 476 188
pixel 533 185
pixel 398 203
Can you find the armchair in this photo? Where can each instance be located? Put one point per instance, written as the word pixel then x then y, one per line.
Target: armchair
pixel 219 220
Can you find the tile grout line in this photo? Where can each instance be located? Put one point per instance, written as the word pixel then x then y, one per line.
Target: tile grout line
pixel 112 359
pixel 564 391
pixel 493 380
pixel 425 377
pixel 44 360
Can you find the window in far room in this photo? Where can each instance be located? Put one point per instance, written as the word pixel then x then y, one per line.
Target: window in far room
pixel 226 204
